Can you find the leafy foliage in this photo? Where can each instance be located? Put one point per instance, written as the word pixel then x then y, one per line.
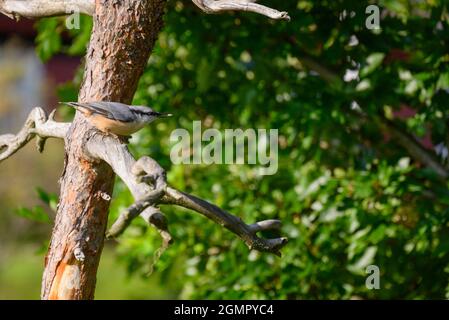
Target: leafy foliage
pixel 38 213
pixel 349 195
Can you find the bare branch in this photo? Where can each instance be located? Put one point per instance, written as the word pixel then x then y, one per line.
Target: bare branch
pixel 38 125
pixel 414 148
pixel 125 218
pixel 132 173
pixel 156 218
pixel 246 232
pixel 328 75
pixel 313 63
pixel 265 225
pixel 136 175
pixel 217 6
pixel 148 171
pixel 16 9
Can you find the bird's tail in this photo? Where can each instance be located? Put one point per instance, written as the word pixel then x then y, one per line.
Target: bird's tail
pixel 71 104
pixel 84 108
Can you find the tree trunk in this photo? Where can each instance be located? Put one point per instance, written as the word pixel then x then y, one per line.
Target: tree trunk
pixel 123 36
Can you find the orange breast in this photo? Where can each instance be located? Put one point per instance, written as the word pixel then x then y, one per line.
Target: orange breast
pixel 113 126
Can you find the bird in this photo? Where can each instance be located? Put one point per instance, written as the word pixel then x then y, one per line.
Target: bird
pixel 117 118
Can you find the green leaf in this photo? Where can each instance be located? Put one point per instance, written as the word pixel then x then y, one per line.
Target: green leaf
pixel 50 199
pixel 48 40
pixel 37 214
pixel 373 61
pixel 443 81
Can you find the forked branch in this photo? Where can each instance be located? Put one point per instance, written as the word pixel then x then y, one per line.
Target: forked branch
pixel 217 6
pixel 146 181
pixel 37 124
pixel 248 233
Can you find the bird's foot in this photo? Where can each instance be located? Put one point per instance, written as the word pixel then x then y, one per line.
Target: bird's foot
pixel 125 139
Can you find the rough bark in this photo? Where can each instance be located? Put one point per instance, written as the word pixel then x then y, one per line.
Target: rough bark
pixel 123 36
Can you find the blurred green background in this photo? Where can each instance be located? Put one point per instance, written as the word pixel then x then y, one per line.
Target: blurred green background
pixel 358 112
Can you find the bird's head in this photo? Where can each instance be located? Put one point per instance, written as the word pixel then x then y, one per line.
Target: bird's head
pixel 147 115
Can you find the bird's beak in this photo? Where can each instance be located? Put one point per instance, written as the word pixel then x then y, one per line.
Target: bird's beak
pixel 165 115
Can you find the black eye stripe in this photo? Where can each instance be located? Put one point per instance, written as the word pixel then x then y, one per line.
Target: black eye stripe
pixel 151 113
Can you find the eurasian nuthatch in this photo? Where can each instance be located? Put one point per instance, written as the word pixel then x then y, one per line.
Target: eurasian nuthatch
pixel 115 117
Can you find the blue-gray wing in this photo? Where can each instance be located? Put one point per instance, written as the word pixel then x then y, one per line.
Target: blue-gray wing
pixel 111 110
